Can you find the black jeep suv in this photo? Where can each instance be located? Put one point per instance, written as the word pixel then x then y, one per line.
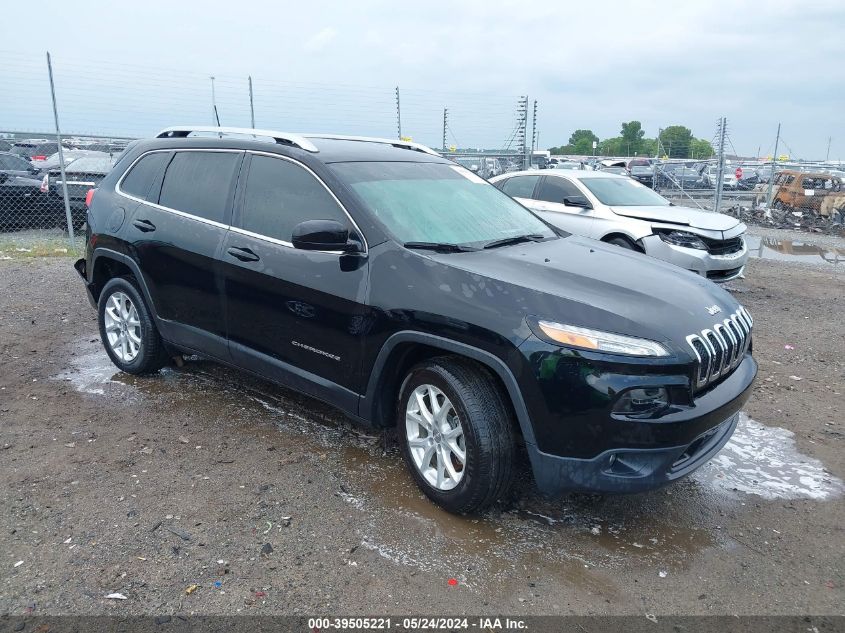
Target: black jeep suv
pixel 405 290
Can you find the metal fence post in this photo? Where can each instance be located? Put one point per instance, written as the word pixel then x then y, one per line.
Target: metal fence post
pixel 772 177
pixel 251 104
pixel 68 216
pixel 717 199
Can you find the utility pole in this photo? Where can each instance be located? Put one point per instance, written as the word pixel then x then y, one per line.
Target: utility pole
pixel 772 177
pixel 717 202
pixel 251 104
pixel 445 125
pixel 398 114
pixel 534 128
pixel 68 216
pixel 827 156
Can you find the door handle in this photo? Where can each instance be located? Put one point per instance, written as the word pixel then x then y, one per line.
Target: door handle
pixel 243 254
pixel 144 225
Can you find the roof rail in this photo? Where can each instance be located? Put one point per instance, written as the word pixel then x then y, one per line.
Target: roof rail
pixel 369 139
pixel 283 138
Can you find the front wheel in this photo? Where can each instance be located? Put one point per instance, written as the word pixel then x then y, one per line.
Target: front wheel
pixel 456 433
pixel 127 330
pixel 623 243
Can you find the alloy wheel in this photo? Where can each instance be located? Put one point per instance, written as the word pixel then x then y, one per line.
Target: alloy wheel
pixel 123 327
pixel 435 437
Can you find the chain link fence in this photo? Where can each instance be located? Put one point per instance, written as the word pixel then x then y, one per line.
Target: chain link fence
pixel 100 107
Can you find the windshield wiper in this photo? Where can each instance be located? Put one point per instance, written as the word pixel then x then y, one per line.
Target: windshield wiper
pixel 517 239
pixel 441 247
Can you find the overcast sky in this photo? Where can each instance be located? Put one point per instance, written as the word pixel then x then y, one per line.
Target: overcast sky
pixel 333 66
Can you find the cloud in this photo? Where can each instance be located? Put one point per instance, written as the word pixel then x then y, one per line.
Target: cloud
pixel 320 39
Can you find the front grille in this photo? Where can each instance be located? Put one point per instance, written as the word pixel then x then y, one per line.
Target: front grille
pixel 723 247
pixel 720 349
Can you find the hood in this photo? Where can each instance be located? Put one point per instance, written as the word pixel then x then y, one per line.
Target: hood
pixel 680 215
pixel 588 283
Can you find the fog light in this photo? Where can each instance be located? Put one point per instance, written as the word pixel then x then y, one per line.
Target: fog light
pixel 642 401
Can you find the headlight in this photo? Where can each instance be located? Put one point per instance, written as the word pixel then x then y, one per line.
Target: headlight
pixel 600 341
pixel 682 238
pixel 642 401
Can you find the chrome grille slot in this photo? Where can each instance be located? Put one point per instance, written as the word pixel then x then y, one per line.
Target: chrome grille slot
pixel 730 345
pixel 720 349
pixel 733 324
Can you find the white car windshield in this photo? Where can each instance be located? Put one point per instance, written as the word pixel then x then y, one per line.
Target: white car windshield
pixel 623 192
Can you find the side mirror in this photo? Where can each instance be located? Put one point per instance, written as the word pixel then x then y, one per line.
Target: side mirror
pixel 323 235
pixel 577 201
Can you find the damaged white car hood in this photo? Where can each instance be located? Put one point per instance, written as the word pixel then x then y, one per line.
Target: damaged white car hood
pixel 704 221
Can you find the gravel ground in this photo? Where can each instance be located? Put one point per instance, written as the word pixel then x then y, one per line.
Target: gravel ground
pixel 202 490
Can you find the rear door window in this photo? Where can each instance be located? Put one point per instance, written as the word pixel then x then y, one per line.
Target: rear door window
pixel 281 194
pixel 200 184
pixel 520 186
pixel 142 174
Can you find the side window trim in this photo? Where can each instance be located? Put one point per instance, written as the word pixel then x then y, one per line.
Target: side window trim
pixel 237 215
pixel 160 181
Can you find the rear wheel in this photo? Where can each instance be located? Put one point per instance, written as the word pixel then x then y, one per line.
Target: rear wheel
pixel 456 434
pixel 127 329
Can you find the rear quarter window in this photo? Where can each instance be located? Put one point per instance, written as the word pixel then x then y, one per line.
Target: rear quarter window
pixel 142 174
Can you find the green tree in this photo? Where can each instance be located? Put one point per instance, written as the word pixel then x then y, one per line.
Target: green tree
pixel 676 141
pixel 611 147
pixel 701 149
pixel 632 137
pixel 582 141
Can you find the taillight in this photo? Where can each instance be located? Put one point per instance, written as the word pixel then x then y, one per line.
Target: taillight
pixel 89 197
pixel 39 158
pixel 45 183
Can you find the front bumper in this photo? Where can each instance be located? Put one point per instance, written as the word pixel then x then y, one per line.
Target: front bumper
pixel 683 442
pixel 715 267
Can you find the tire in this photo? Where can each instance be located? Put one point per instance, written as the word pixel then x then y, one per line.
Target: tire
pixel 487 438
pixel 146 356
pixel 624 243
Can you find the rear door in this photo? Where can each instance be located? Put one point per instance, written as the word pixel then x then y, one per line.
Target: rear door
pixel 178 232
pixel 520 188
pixel 296 316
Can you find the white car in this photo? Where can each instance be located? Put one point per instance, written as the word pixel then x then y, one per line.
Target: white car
pixel 621 211
pixel 729 179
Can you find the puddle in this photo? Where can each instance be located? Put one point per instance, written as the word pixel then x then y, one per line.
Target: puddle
pixel 792 251
pixel 764 461
pixel 577 541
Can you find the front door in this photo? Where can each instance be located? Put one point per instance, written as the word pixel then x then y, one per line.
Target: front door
pixel 549 205
pixel 296 316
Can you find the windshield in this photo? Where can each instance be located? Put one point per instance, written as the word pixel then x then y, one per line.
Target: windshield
pixel 623 192
pixel 435 202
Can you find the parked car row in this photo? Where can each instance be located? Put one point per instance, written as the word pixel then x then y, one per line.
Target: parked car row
pixel 33 197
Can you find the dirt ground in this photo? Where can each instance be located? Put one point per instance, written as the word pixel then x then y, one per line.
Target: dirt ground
pixel 202 490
